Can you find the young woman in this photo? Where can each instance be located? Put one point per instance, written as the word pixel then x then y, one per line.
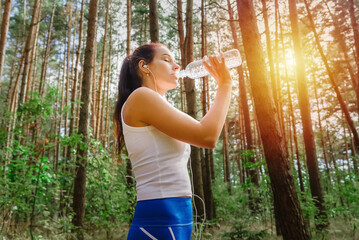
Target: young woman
pixel 157 138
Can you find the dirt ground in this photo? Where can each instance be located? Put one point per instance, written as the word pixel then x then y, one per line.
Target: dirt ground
pixel 338 230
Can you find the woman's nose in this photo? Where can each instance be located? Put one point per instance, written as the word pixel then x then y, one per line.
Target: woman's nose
pixel 176 66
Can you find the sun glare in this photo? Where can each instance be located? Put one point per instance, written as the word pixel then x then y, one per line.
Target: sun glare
pixel 289 58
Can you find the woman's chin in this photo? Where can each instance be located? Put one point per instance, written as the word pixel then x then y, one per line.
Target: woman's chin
pixel 173 85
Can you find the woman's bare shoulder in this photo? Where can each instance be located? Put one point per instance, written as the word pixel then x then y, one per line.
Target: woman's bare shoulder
pixel 142 95
pixel 139 100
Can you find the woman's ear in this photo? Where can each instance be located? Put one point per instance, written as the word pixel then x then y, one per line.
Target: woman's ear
pixel 143 66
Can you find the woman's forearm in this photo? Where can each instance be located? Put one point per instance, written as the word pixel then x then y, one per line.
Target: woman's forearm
pixel 214 120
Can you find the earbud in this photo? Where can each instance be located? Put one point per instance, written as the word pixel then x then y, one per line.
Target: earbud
pixel 145 66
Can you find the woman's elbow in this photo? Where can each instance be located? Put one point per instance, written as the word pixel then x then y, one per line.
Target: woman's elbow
pixel 210 143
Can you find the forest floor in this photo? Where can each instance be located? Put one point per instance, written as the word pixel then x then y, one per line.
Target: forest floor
pixel 338 230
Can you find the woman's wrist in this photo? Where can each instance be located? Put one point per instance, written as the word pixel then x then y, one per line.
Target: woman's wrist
pixel 225 85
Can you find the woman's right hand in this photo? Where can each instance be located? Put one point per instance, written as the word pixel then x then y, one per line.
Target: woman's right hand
pixel 218 69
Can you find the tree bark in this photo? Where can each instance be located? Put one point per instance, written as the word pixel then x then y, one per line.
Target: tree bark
pixel 107 120
pixel 69 11
pixel 100 80
pixel 82 151
pixel 337 175
pixel 270 54
pixel 192 110
pixel 128 27
pixel 29 46
pixel 243 100
pixel 321 133
pixel 286 201
pixel 11 81
pixel 181 46
pixel 154 29
pixel 4 31
pixel 47 52
pixel 227 174
pixel 74 83
pixel 93 91
pixel 30 79
pixel 355 27
pixel 206 167
pixel 63 186
pixel 291 113
pixel 304 105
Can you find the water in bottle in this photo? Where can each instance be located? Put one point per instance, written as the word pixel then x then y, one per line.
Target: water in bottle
pixel 197 70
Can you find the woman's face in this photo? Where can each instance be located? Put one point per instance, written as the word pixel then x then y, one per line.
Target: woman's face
pixel 164 68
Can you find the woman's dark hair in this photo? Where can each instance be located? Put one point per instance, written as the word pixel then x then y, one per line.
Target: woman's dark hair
pixel 130 80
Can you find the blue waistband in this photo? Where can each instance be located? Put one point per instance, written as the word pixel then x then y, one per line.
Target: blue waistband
pixel 163 212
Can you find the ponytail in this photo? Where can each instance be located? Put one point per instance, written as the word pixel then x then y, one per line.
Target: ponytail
pixel 130 80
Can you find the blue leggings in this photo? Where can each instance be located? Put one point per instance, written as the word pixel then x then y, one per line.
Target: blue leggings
pixel 162 219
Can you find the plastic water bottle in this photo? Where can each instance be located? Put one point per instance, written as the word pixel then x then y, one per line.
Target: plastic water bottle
pixel 196 69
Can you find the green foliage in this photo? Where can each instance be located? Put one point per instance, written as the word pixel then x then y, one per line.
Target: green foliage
pixel 37 186
pixel 34 182
pixel 107 203
pixel 240 231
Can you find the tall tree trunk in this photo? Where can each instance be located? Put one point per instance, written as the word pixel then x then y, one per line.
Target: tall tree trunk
pixel 93 91
pixel 304 105
pixel 64 185
pixel 292 123
pixel 355 27
pixel 321 133
pixel 128 27
pixel 342 104
pixel 4 31
pixel 291 112
pixel 243 100
pixel 29 46
pixel 76 65
pixel 11 81
pixel 344 49
pixel 206 168
pixel 30 79
pixel 226 164
pixel 154 30
pixel 79 91
pixel 181 46
pixel 12 108
pixel 192 111
pixel 47 52
pixel 337 175
pixel 107 120
pixel 278 84
pixel 270 55
pixel 82 151
pixel 300 176
pixel 74 90
pixel 346 147
pixel 69 11
pixel 286 201
pixel 100 80
pixel 54 130
pixel 252 172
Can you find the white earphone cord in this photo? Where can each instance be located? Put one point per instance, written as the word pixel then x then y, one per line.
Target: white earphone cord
pixel 194 195
pixel 194 205
pixel 154 77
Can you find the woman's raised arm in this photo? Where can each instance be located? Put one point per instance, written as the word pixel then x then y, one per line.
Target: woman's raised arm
pixel 152 109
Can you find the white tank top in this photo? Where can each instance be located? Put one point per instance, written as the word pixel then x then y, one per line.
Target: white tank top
pixel 159 162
